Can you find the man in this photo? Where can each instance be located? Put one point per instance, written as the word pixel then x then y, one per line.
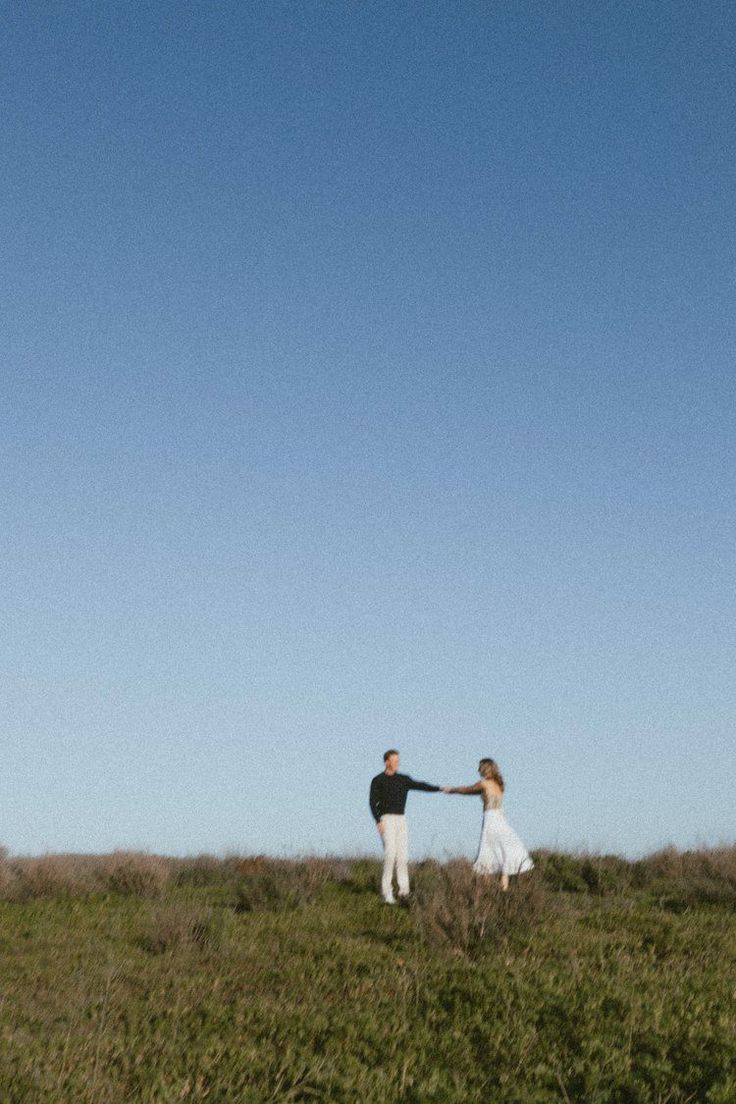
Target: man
pixel 388 802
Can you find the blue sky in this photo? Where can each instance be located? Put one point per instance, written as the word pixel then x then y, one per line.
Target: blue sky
pixel 368 380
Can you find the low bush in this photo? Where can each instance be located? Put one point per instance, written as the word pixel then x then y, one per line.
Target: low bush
pixel 136 873
pixel 560 871
pixel 601 875
pixel 25 879
pixel 200 871
pixel 675 878
pixel 126 872
pixel 605 875
pixel 683 878
pixel 280 885
pixel 456 909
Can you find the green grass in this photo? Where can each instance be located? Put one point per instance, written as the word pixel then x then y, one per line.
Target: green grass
pixel 595 980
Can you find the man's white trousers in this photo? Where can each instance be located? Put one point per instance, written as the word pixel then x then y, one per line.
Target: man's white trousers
pixel 395 855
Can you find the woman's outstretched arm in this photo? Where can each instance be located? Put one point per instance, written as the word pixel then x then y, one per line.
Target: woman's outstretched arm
pixel 476 788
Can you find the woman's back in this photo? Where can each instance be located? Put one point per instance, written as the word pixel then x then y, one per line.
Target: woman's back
pixel 492 794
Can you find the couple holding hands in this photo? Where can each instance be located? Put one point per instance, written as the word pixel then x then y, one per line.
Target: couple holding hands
pixel 500 850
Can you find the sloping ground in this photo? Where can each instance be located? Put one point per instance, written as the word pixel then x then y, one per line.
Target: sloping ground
pixel 251 980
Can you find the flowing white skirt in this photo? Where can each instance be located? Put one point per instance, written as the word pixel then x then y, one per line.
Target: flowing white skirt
pixel 500 851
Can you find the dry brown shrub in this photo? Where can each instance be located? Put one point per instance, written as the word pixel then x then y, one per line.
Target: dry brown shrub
pixel 7 875
pixel 707 876
pixel 250 864
pixel 457 910
pixel 136 873
pixel 50 876
pixel 25 878
pixel 280 884
pixel 200 870
pixel 717 862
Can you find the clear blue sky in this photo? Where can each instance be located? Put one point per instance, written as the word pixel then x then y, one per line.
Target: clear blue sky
pixel 367 380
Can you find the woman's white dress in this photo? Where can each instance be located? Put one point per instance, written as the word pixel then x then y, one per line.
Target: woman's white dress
pixel 500 850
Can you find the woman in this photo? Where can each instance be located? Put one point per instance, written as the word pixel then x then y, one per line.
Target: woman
pixel 500 851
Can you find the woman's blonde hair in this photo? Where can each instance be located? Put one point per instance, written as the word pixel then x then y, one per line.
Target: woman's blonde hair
pixel 489 769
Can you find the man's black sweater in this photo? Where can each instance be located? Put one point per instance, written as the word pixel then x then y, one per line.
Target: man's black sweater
pixel 388 793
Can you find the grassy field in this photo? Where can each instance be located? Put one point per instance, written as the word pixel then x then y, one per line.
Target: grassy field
pixel 137 978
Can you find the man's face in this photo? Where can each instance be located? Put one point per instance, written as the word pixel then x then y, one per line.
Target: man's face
pixel 392 764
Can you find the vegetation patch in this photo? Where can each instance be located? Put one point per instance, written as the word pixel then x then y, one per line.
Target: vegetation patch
pixel 468 915
pixel 246 979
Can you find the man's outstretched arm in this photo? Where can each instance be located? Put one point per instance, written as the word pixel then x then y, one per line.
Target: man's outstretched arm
pixel 425 786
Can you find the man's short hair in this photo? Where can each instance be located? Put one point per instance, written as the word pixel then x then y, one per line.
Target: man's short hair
pixel 387 754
